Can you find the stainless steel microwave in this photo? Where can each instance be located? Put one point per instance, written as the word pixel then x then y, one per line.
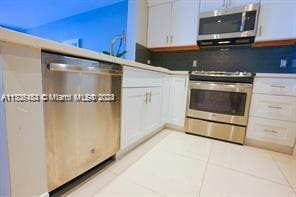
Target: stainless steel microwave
pixel 230 26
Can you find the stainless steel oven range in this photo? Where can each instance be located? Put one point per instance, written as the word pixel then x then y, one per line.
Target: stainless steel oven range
pixel 218 104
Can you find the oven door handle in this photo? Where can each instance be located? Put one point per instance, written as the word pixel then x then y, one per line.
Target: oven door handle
pixel 236 87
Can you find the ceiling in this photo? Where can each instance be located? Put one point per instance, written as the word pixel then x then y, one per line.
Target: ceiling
pixel 25 14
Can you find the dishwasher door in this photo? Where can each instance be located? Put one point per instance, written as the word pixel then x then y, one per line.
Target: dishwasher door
pixel 79 135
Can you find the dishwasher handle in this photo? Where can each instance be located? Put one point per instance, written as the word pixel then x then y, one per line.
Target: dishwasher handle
pixel 83 69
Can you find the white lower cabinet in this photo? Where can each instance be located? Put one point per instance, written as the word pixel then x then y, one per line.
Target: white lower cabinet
pixel 132 115
pixel 274 107
pixel 272 121
pixel 149 101
pixel 141 113
pixel 274 131
pixel 178 98
pixel 152 119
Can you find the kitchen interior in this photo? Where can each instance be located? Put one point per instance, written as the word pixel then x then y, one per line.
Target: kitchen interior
pixel 203 98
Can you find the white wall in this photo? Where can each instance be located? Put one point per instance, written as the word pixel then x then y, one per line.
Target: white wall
pixel 4 163
pixel 131 30
pixel 142 22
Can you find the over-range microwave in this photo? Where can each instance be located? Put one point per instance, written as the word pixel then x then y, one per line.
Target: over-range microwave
pixel 230 26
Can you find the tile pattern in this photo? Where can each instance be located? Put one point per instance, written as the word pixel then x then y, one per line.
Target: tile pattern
pixel 175 164
pixel 242 58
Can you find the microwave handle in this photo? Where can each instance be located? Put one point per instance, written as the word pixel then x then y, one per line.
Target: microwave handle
pixel 243 21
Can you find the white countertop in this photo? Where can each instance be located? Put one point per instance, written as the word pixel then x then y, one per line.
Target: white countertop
pixel 276 75
pixel 48 45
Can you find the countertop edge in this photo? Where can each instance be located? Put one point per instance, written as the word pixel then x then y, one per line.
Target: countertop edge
pixel 14 37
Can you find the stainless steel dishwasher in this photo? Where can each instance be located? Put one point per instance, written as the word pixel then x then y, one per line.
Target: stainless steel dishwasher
pixel 79 135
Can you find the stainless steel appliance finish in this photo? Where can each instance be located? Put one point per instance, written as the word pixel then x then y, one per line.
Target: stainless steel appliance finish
pixel 216 88
pixel 79 135
pixel 221 131
pixel 217 108
pixel 224 24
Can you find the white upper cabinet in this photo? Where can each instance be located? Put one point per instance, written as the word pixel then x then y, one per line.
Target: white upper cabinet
pixel 239 3
pixel 184 22
pixel 277 20
pixel 159 25
pixel 173 24
pixel 210 5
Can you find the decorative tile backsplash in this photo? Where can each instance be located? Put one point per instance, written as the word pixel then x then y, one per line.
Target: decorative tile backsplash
pixel 239 58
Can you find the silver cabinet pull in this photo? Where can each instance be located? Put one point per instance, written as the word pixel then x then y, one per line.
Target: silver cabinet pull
pixel 278 86
pixel 274 107
pixel 167 39
pixel 171 39
pixel 224 3
pixel 270 131
pixel 146 97
pixel 229 3
pixel 150 96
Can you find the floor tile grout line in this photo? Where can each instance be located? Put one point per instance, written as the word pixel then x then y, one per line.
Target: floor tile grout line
pixel 249 174
pixel 206 168
pixel 286 178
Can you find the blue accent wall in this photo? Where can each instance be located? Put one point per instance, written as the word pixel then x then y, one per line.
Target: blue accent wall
pixel 95 28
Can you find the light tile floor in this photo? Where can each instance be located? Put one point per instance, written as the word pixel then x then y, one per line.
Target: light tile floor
pixel 175 164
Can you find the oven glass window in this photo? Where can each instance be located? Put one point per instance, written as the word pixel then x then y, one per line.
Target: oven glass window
pixel 229 103
pixel 220 24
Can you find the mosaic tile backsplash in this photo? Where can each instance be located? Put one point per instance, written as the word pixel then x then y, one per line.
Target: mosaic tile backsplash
pixel 239 58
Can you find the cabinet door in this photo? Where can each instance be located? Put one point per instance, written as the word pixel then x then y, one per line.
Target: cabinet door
pixel 178 97
pixel 274 131
pixel 184 22
pixel 239 3
pixel 274 107
pixel 159 24
pixel 165 99
pixel 211 5
pixel 153 110
pixel 133 110
pixel 277 20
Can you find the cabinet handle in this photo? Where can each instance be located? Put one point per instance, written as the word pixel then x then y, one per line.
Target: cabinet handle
pixel 274 107
pixel 171 39
pixel 277 86
pixel 150 96
pixel 229 3
pixel 146 97
pixel 270 131
pixel 224 3
pixel 167 39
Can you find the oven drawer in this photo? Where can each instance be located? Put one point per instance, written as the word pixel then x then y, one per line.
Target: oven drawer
pixel 274 107
pixel 221 131
pixel 275 86
pixel 273 131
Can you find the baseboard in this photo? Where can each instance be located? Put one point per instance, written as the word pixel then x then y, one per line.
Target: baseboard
pixel 131 147
pixel 175 127
pixel 44 195
pixel 269 146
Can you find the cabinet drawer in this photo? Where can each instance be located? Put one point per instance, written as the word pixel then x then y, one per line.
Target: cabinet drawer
pixel 135 77
pixel 274 131
pixel 274 107
pixel 275 86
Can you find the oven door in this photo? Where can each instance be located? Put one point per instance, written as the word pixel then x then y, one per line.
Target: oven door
pixel 221 102
pixel 228 23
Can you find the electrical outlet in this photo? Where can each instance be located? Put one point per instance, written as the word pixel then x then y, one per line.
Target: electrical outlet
pixel 194 64
pixel 283 63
